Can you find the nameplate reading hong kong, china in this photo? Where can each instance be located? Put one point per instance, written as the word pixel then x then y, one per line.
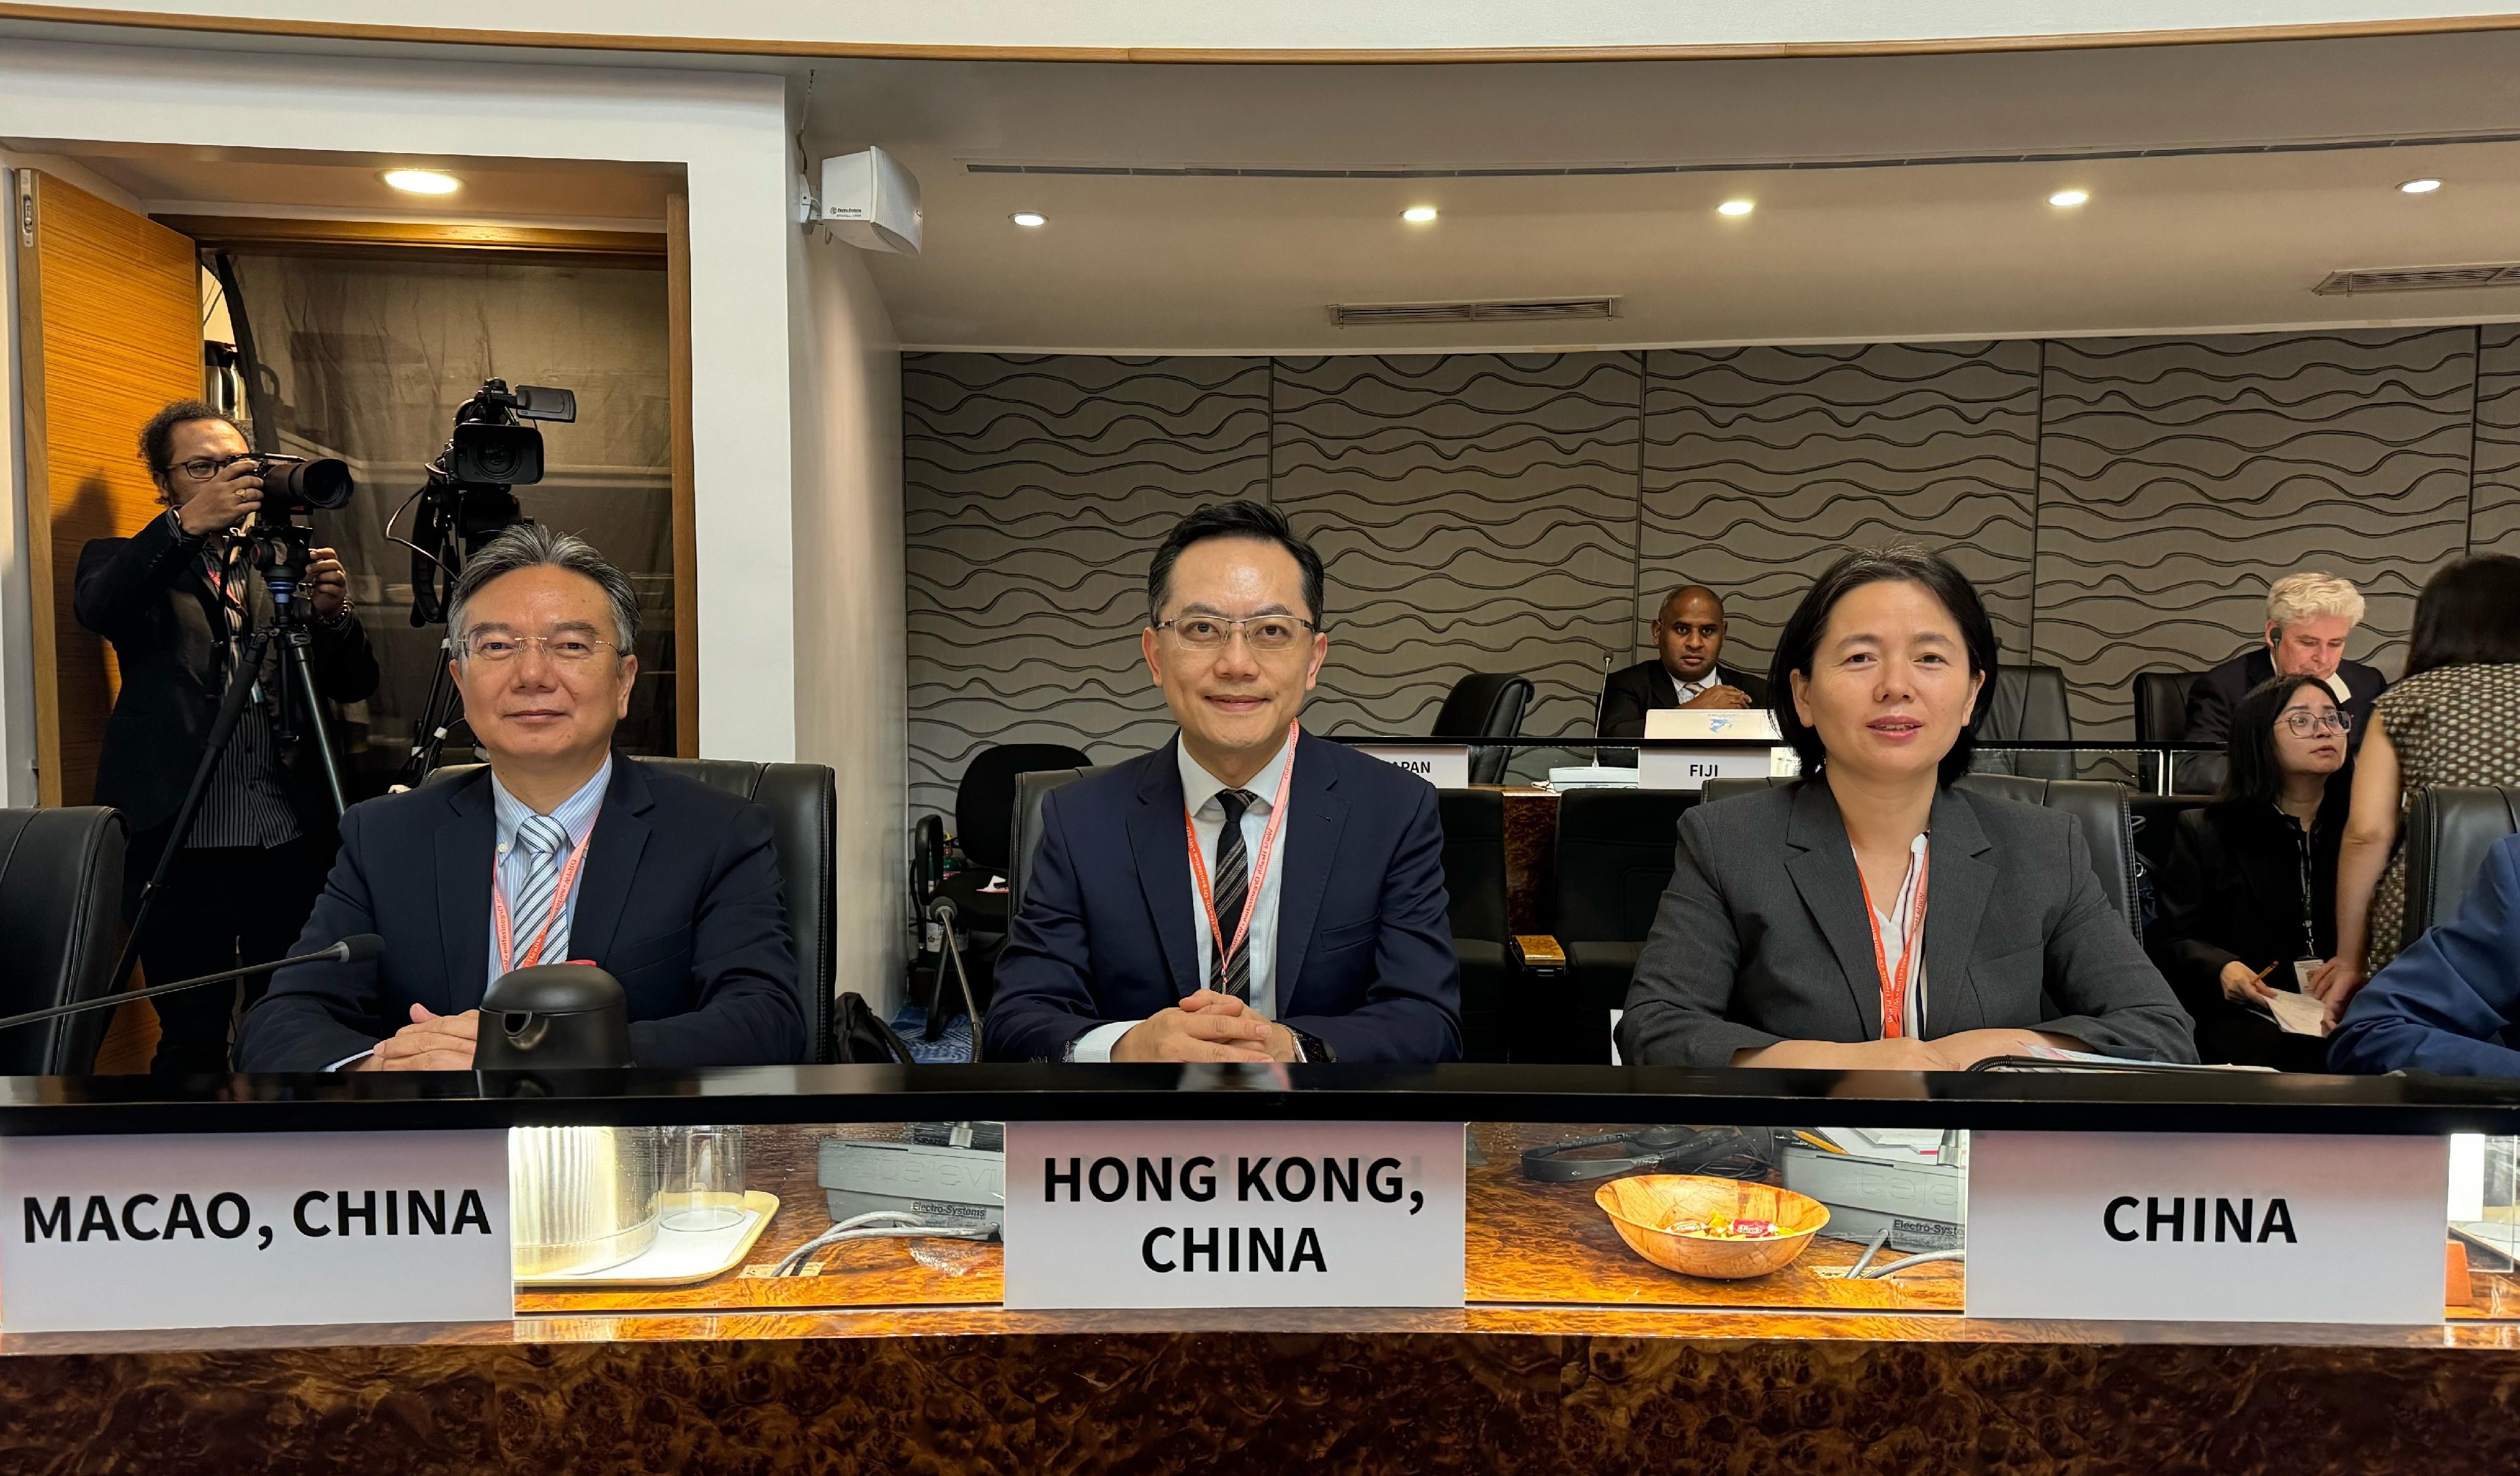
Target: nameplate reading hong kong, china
pixel 253 1230
pixel 1234 1214
pixel 2206 1227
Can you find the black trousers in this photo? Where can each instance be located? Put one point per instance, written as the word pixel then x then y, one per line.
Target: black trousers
pixel 222 908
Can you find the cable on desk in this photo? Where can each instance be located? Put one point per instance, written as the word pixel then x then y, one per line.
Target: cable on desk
pixel 867 1227
pixel 1878 1272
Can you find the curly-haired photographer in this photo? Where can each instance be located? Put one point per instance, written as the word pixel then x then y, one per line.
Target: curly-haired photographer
pixel 176 600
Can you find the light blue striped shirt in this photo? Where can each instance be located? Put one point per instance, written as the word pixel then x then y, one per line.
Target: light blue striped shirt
pixel 576 815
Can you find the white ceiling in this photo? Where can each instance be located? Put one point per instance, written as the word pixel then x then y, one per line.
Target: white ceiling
pixel 1245 264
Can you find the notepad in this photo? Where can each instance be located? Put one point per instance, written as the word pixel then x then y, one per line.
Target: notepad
pixel 2298 1013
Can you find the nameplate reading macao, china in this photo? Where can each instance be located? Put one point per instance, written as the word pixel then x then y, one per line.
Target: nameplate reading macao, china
pixel 253 1230
pixel 1446 766
pixel 1200 1214
pixel 2206 1227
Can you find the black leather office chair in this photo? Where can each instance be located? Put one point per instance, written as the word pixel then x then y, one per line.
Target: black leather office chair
pixel 2161 705
pixel 804 801
pixel 1614 857
pixel 2449 831
pixel 1485 705
pixel 2026 703
pixel 2099 804
pixel 61 925
pixel 1475 884
pixel 984 802
pixel 1023 824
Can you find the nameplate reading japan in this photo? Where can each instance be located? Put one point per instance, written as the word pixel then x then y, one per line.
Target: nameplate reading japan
pixel 253 1230
pixel 1446 766
pixel 2206 1227
pixel 1138 1215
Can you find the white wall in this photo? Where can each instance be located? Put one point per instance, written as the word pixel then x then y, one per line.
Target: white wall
pixel 852 681
pixel 729 131
pixel 1115 25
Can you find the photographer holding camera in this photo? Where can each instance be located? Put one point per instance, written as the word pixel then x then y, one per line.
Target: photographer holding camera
pixel 177 599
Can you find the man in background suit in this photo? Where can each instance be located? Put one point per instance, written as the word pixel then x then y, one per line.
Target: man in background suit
pixel 1685 670
pixel 557 852
pixel 2309 617
pixel 1320 869
pixel 177 599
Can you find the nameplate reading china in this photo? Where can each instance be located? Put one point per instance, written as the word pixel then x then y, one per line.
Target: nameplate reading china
pixel 2206 1228
pixel 1197 1214
pixel 1446 766
pixel 253 1230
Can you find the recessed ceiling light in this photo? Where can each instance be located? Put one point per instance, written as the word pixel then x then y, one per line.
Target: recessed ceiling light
pixel 1029 218
pixel 2419 187
pixel 1735 207
pixel 423 181
pixel 2068 198
pixel 1418 215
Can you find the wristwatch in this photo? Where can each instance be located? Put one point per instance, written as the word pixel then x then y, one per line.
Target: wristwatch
pixel 1312 1047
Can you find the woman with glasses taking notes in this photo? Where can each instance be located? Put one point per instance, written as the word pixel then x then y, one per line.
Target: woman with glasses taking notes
pixel 2248 903
pixel 2453 719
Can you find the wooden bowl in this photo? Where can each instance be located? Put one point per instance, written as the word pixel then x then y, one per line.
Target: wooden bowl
pixel 1642 1206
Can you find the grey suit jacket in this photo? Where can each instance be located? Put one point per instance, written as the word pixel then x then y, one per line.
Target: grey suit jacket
pixel 1762 936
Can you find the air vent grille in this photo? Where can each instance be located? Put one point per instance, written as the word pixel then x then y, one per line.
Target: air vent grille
pixel 2418 278
pixel 1531 310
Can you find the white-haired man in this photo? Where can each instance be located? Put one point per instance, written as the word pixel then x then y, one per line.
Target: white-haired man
pixel 2309 617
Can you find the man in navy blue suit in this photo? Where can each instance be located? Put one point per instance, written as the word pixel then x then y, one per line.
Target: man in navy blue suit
pixel 1320 869
pixel 556 852
pixel 2450 1002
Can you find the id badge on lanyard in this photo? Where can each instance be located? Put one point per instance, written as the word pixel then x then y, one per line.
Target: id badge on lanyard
pixel 1259 869
pixel 559 904
pixel 1894 990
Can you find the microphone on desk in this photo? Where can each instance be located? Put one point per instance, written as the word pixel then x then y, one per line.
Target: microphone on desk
pixel 358 948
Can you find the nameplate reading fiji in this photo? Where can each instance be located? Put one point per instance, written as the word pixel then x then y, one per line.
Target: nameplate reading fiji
pixel 246 1230
pixel 1148 1215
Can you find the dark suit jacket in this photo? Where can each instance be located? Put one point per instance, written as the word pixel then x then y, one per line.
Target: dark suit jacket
pixel 2232 893
pixel 680 901
pixel 1365 950
pixel 1631 692
pixel 2450 1002
pixel 1762 936
pixel 2217 694
pixel 147 595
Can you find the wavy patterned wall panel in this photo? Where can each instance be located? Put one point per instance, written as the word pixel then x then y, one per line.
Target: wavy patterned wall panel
pixel 1476 513
pixel 2493 523
pixel 2179 477
pixel 1763 464
pixel 1036 489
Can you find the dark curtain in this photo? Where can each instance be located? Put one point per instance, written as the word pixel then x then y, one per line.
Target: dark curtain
pixel 367 360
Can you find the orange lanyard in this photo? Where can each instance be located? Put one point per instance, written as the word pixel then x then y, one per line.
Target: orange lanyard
pixel 559 904
pixel 1894 992
pixel 1259 869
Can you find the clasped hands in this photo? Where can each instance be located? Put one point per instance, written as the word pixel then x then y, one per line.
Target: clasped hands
pixel 429 1043
pixel 1950 1053
pixel 1208 1026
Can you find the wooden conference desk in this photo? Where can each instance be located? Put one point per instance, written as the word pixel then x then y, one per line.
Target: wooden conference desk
pixel 1570 1355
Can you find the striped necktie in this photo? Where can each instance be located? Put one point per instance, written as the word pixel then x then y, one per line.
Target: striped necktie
pixel 1233 881
pixel 542 839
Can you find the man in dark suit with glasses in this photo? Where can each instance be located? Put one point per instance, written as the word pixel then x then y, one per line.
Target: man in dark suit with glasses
pixel 1320 869
pixel 177 599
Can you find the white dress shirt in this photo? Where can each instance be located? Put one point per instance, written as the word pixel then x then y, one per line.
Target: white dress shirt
pixel 1199 791
pixel 1902 929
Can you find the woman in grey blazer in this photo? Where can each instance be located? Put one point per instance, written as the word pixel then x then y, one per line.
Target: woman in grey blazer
pixel 1870 915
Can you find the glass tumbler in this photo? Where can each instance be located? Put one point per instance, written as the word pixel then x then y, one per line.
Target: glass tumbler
pixel 704 1179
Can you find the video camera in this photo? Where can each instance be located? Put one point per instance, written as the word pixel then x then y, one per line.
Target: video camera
pixel 493 444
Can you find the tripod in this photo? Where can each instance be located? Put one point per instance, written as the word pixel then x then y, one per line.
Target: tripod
pixel 281 553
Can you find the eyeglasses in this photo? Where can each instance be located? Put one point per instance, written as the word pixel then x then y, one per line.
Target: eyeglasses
pixel 2304 724
pixel 1271 632
pixel 202 469
pixel 497 647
